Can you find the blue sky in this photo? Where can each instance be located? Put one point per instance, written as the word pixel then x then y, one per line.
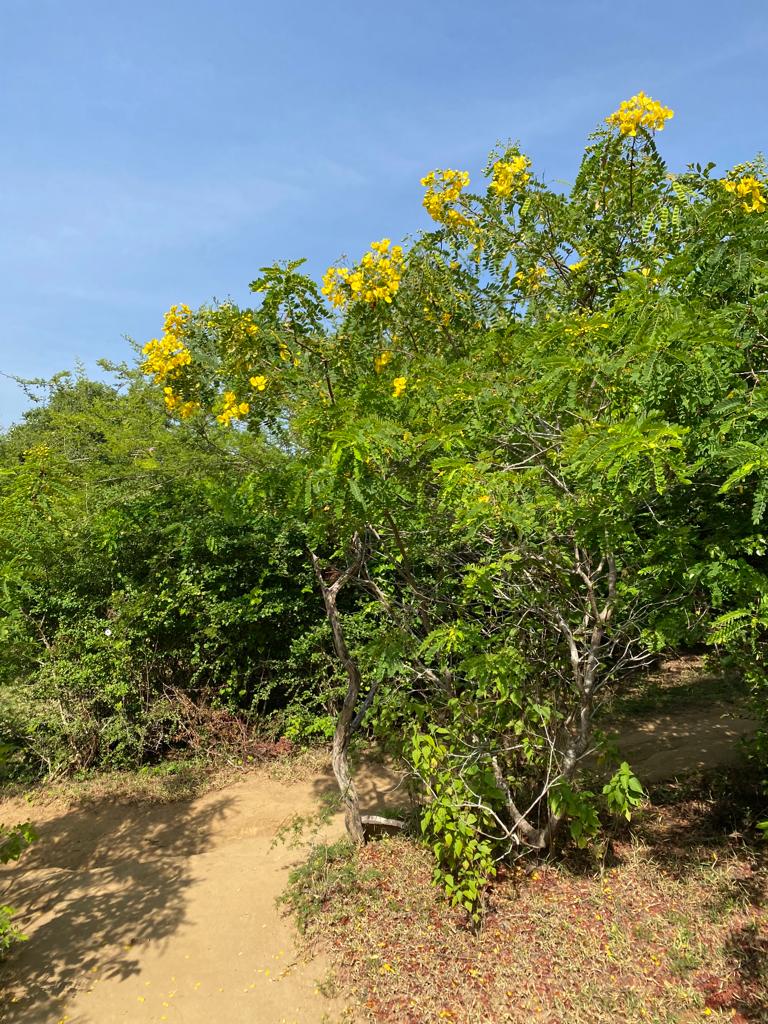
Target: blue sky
pixel 160 152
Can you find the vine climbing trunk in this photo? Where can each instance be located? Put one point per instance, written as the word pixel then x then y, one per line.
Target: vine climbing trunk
pixel 343 732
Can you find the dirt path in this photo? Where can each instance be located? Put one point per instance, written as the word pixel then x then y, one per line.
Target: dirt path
pixel 152 913
pixel 667 745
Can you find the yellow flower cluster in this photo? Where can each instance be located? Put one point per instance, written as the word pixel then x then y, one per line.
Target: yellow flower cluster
pixel 381 361
pixel 38 451
pixel 247 326
pixel 177 404
pixel 176 318
pixel 444 188
pixel 530 280
pixel 582 325
pixel 233 410
pixel 510 175
pixel 375 279
pixel 229 317
pixel 434 315
pixel 639 112
pixel 399 385
pixel 750 190
pixel 259 383
pixel 165 357
pixel 286 356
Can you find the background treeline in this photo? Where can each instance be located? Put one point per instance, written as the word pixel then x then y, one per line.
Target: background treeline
pixel 145 589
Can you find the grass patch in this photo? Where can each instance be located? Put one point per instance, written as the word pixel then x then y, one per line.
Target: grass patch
pixel 167 781
pixel 300 763
pixel 163 783
pixel 328 883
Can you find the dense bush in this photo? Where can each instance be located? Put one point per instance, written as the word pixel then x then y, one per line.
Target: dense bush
pixel 14 839
pixel 137 573
pixel 535 443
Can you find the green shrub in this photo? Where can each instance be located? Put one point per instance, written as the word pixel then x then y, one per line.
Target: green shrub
pixel 13 841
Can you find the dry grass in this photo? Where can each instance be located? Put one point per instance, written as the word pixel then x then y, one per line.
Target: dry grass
pixel 667 924
pixel 300 764
pixel 182 780
pixel 165 782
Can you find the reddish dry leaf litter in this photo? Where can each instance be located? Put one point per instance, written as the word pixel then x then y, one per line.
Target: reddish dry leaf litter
pixel 670 928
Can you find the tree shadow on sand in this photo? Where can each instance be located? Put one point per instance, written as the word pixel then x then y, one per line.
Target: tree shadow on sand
pixel 100 883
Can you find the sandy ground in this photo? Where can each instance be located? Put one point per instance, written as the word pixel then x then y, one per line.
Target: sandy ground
pixel 154 913
pixel 669 745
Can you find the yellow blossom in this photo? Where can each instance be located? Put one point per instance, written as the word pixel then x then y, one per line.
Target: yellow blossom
pixel 509 176
pixel 285 355
pixel 258 382
pixel 175 318
pixel 530 280
pixel 399 385
pixel 233 410
pixel 247 324
pixel 38 451
pixel 176 404
pixel 375 279
pixel 166 357
pixel 444 188
pixel 750 190
pixel 381 361
pixel 639 112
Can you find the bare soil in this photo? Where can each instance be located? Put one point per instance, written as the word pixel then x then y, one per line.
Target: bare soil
pixel 673 744
pixel 166 912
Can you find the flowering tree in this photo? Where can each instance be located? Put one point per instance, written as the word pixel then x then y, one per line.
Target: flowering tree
pixel 526 441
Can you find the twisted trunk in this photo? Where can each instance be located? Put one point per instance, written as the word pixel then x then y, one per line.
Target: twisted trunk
pixel 343 732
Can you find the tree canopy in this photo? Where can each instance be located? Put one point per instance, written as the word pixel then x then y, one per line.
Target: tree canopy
pixel 525 452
